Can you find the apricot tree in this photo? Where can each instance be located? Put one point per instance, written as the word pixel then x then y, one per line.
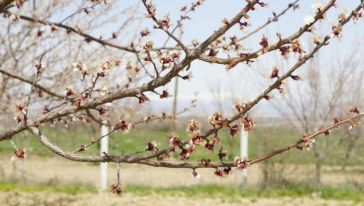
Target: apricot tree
pixel 46 64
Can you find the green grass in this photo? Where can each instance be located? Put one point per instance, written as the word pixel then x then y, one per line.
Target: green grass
pixel 354 194
pixel 67 189
pixel 212 191
pixel 260 141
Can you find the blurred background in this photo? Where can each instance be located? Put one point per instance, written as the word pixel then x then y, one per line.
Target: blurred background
pixel 332 173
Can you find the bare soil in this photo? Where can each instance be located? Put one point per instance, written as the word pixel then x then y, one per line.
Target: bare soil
pixel 57 170
pixel 107 199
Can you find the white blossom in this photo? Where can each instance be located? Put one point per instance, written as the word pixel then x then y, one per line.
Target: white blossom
pixel 317 6
pixel 309 19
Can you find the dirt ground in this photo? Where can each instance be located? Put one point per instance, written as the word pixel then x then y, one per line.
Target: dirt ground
pixel 58 170
pixel 107 199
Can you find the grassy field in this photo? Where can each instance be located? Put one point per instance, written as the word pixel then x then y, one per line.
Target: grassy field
pixel 51 180
pixel 211 191
pixel 261 140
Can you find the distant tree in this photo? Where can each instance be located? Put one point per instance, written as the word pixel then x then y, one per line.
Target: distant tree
pixel 326 93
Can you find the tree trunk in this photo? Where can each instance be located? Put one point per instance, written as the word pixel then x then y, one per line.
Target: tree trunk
pixel 318 160
pixel 318 172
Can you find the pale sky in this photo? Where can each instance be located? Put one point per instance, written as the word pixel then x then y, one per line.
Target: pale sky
pixel 247 81
pixel 242 82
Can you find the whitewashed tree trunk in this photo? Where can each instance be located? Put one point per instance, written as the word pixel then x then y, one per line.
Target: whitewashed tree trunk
pixel 104 144
pixel 244 137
